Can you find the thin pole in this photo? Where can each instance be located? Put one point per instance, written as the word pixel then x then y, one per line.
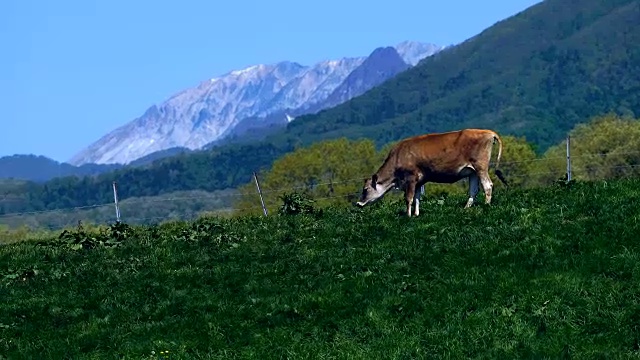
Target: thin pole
pixel 115 201
pixel 568 158
pixel 264 209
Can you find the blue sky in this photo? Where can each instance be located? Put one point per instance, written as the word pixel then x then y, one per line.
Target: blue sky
pixel 73 70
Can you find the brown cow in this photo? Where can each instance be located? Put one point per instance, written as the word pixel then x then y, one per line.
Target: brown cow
pixel 440 158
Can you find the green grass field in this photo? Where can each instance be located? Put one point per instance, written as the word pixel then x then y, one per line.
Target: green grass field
pixel 541 273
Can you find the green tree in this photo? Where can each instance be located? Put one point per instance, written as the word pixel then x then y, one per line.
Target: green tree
pixel 518 158
pixel 330 172
pixel 607 147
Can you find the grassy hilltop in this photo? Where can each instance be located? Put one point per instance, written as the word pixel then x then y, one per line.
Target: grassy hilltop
pixel 547 272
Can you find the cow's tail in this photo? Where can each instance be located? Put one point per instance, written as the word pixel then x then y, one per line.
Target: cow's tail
pixel 497 171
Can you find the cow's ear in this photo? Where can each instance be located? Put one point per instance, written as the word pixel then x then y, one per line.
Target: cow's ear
pixel 374 181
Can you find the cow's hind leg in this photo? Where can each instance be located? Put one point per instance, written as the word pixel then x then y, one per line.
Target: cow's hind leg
pixel 474 184
pixel 487 185
pixel 482 169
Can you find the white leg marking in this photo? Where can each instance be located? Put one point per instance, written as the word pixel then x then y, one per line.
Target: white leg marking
pixel 469 203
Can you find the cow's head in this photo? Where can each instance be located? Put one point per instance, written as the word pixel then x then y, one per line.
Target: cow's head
pixel 372 190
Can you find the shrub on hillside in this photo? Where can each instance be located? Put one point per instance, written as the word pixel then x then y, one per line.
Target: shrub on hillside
pixel 296 203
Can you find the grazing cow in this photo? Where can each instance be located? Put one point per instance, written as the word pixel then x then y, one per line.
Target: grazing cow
pixel 440 158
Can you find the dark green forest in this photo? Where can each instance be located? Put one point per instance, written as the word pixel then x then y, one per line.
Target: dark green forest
pixel 536 74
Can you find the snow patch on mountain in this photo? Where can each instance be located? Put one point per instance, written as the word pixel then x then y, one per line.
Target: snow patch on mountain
pixel 413 51
pixel 210 111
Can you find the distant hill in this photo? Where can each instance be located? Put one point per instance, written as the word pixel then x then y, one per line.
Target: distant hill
pixel 40 168
pixel 537 73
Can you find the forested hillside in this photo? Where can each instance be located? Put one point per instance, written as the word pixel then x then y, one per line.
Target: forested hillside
pixel 206 171
pixel 536 74
pixel 331 172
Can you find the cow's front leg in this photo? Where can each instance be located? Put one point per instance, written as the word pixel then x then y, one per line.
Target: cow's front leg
pixel 474 181
pixel 416 199
pixel 409 196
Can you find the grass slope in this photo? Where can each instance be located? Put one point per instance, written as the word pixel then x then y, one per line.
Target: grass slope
pixel 541 273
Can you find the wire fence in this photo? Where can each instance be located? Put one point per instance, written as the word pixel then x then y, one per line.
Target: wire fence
pixel 191 205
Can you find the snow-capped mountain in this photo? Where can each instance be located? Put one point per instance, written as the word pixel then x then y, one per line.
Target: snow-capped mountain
pixel 383 63
pixel 412 51
pixel 312 86
pixel 210 111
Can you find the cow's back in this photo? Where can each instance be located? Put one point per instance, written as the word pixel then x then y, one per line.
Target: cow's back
pixel 442 153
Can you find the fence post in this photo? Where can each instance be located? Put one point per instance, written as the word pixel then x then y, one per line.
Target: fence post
pixel 264 209
pixel 115 200
pixel 568 158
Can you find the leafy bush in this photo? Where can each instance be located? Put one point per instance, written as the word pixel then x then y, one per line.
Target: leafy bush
pixel 296 203
pixel 79 238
